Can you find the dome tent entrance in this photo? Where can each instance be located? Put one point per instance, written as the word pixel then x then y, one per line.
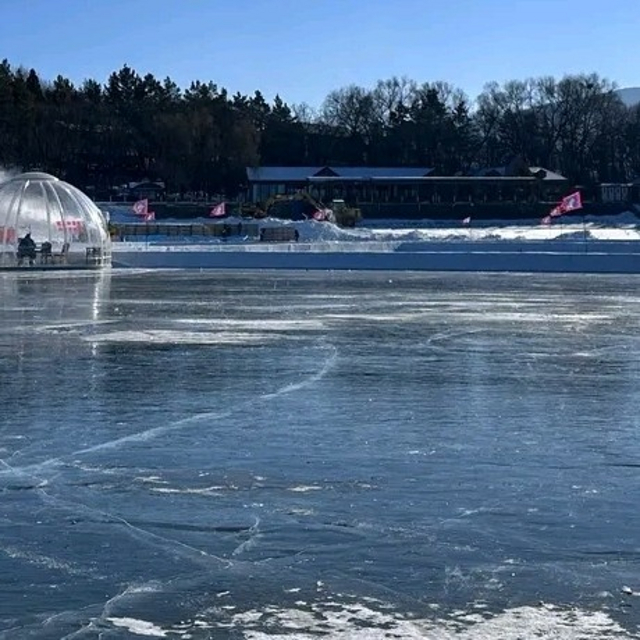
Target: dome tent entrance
pixel 66 226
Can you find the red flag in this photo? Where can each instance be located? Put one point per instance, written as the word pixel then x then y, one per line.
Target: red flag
pixel 466 220
pixel 572 202
pixel 218 211
pixel 141 207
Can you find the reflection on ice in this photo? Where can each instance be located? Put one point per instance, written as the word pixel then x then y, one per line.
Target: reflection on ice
pixel 45 297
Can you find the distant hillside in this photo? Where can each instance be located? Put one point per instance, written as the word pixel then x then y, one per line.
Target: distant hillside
pixel 630 96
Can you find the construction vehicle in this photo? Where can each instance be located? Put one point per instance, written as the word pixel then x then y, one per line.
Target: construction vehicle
pixel 281 206
pixel 345 216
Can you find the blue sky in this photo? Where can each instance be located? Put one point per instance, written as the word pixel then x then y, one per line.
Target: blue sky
pixel 302 49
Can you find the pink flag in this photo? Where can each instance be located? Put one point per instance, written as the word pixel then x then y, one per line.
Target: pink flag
pixel 466 220
pixel 141 207
pixel 546 220
pixel 218 211
pixel 150 215
pixel 319 214
pixel 572 202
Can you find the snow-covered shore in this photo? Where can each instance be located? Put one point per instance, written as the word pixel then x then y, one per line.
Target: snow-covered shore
pixel 569 245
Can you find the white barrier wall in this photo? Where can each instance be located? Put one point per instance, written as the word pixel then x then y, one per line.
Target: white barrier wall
pixel 531 256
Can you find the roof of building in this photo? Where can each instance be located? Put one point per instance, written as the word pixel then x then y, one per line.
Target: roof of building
pixel 146 184
pixel 549 175
pixel 292 174
pixel 335 173
pixel 490 172
pixel 523 172
pixel 280 174
pixel 381 172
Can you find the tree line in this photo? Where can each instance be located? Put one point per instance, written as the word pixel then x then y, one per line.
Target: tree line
pixel 201 139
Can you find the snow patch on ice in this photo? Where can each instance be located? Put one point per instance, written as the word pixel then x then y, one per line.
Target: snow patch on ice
pixel 138 627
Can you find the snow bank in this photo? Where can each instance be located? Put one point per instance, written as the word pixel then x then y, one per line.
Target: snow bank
pixel 625 226
pixel 595 245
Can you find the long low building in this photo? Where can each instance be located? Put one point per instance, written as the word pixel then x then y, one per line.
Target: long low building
pixel 410 192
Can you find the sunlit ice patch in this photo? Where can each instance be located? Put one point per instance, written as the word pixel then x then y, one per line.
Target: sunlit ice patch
pixel 168 336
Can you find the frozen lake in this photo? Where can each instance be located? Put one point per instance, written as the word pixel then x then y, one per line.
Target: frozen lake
pixel 280 455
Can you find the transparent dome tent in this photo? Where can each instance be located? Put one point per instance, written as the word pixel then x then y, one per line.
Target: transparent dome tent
pixel 66 226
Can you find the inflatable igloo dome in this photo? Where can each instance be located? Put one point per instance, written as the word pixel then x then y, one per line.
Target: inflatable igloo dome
pixel 64 225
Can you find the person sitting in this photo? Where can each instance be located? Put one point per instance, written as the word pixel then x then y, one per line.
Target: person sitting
pixel 26 249
pixel 46 252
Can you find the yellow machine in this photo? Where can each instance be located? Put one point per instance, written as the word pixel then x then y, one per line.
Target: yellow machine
pixel 345 216
pixel 337 212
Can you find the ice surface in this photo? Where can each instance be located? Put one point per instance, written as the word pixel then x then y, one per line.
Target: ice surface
pixel 422 455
